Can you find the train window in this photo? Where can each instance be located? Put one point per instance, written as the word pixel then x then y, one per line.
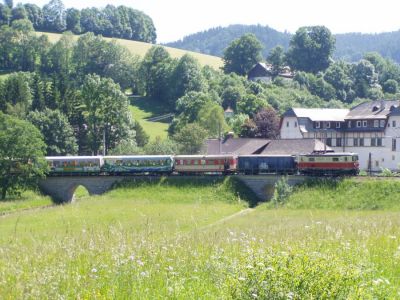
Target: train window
pixel 311 159
pixel 345 158
pixel 335 158
pixel 203 162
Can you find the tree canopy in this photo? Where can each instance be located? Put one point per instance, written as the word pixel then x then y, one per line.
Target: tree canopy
pixel 21 154
pixel 242 54
pixel 311 49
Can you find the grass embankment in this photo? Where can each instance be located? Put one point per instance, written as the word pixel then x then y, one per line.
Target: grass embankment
pixel 350 193
pixel 142 109
pixel 140 48
pixel 28 200
pixel 164 239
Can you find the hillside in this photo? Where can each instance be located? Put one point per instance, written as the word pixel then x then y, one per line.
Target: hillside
pixel 140 48
pixel 349 46
pixel 173 238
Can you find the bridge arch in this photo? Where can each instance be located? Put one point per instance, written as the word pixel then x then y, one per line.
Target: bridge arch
pixel 62 188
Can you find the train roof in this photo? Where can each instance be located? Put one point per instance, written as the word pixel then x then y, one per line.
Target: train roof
pixel 137 156
pixel 72 157
pixel 267 155
pixel 205 156
pixel 331 154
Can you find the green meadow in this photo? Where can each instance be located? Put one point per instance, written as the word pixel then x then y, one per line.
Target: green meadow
pixel 202 238
pixel 142 109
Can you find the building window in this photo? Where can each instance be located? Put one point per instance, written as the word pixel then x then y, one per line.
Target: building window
pixel 287 124
pixel 317 124
pixel 382 123
pixel 355 142
pixel 393 157
pixel 393 123
pixel 379 142
pixel 364 123
pixel 376 123
pixel 328 125
pixel 358 123
pixel 338 142
pixel 377 163
pixel 373 142
pixel 349 124
pixel 295 123
pixel 361 142
pixel 337 124
pixel 329 142
pixel 393 144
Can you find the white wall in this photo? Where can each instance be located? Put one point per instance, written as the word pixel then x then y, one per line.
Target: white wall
pixel 290 128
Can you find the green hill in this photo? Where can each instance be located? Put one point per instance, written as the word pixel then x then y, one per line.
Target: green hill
pixel 140 48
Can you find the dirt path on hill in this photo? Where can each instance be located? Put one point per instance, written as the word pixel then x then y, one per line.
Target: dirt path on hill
pixel 228 218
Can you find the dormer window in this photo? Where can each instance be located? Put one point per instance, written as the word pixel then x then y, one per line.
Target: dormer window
pixel 317 124
pixel 337 124
pixel 375 108
pixel 358 123
pixel 364 123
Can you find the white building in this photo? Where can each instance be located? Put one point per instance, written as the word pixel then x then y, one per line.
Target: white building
pixel 371 129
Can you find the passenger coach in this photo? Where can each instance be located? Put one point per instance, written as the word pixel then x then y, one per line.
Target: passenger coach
pixel 198 164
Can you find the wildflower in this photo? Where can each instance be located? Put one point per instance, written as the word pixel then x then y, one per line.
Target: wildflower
pixel 144 274
pixel 290 295
pixel 241 279
pixel 139 262
pixel 94 270
pixel 255 296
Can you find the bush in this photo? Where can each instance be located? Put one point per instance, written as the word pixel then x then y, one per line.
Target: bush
pixel 282 191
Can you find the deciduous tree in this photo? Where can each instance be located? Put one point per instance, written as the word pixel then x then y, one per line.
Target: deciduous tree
pixel 242 54
pixel 311 49
pixel 21 154
pixel 57 132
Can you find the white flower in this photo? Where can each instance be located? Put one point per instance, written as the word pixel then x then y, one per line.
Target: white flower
pixel 241 279
pixel 94 270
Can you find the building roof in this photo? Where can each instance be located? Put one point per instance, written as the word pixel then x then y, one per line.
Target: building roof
pixel 295 146
pixel 262 69
pixel 319 114
pixel 247 146
pixel 373 110
pixel 235 146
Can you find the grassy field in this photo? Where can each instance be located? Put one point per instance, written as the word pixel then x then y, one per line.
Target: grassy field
pixel 185 239
pixel 142 109
pixel 140 48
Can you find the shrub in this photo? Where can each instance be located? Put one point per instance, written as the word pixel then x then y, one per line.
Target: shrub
pixel 282 191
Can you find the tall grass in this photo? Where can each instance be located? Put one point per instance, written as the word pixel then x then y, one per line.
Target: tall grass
pixel 174 238
pixel 356 194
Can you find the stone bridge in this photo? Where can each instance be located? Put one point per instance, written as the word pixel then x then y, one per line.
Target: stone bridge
pixel 62 188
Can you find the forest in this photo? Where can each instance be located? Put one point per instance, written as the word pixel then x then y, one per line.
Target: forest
pixel 350 47
pixel 110 21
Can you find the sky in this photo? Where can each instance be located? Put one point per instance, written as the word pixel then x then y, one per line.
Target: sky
pixel 175 19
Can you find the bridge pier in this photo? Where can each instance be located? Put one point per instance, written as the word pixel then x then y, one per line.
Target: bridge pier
pixel 62 188
pixel 264 185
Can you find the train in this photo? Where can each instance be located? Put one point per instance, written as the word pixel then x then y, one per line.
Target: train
pixel 317 164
